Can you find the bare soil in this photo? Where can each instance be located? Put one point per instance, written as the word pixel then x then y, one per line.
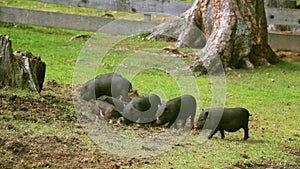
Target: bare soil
pixel 289 55
pixel 21 148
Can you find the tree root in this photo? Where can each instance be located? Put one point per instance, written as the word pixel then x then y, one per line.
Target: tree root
pixel 248 63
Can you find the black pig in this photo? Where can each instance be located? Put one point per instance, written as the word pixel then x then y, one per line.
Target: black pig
pixel 142 109
pixel 111 84
pixel 177 109
pixel 117 103
pixel 226 119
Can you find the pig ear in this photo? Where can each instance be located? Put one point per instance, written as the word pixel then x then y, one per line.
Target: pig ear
pixel 206 113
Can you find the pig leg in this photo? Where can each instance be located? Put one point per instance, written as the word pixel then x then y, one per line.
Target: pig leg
pixel 100 113
pixel 175 124
pixel 118 121
pixel 246 134
pixel 192 121
pixel 246 130
pixel 171 122
pixel 222 134
pixel 183 123
pixel 212 133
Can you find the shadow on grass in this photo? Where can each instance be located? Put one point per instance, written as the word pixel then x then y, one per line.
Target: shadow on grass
pixel 289 65
pixel 249 141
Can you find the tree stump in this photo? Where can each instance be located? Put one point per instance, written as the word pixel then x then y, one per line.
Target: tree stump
pixel 20 70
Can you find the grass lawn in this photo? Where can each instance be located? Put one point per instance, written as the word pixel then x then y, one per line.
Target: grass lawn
pixel 35 5
pixel 44 132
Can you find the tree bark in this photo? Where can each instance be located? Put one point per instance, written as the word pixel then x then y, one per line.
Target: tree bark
pixel 20 70
pixel 236 32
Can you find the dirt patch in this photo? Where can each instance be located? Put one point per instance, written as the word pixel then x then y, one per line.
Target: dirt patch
pixel 34 109
pixel 289 55
pixel 29 151
pixel 20 148
pixel 265 165
pixel 295 152
pixel 272 165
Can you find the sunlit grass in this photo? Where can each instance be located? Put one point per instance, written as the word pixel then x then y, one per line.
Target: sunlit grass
pixel 35 5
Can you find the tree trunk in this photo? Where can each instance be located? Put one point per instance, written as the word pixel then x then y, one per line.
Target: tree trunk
pixel 236 32
pixel 20 70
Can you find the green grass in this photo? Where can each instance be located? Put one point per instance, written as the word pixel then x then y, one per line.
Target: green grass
pixel 52 45
pixel 274 125
pixel 274 105
pixel 35 5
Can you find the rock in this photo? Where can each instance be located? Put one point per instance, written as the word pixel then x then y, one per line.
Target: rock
pixel 203 166
pixel 169 31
